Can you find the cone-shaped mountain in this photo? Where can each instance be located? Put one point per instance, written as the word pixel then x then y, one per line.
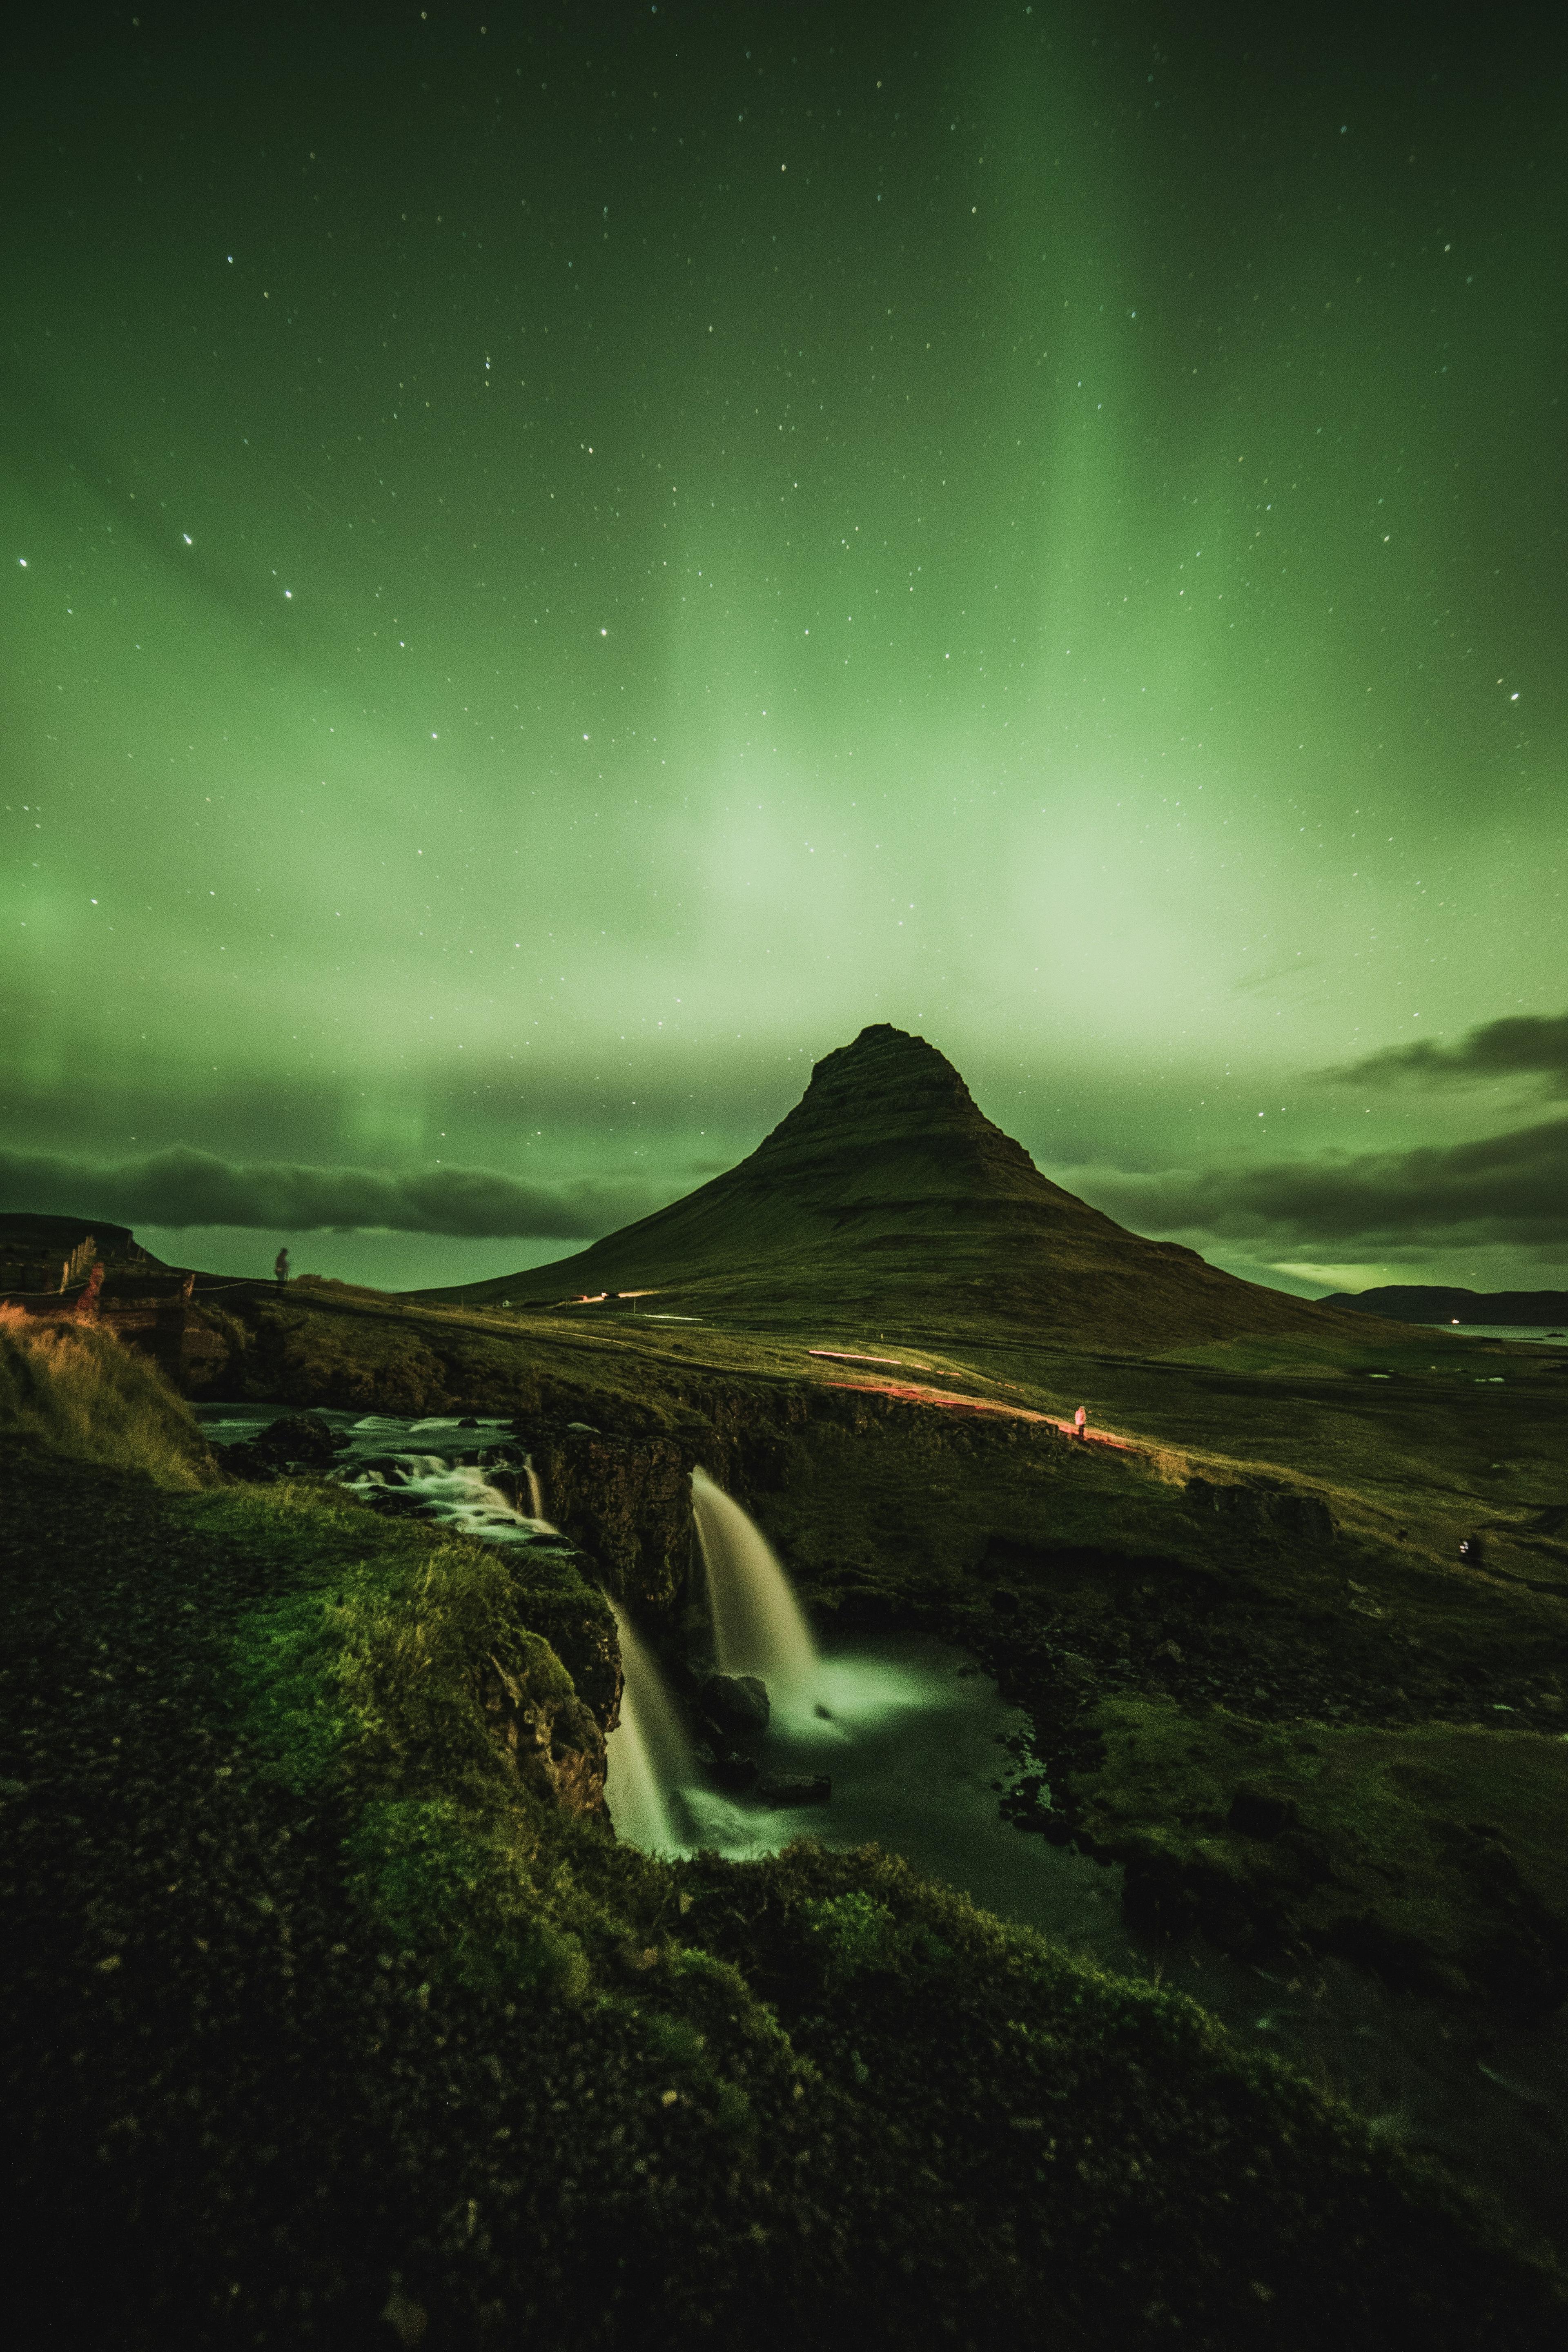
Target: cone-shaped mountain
pixel 888 1195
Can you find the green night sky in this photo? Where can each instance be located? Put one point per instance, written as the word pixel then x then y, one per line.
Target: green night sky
pixel 554 567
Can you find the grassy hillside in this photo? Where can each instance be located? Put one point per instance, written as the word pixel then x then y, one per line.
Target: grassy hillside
pixel 76 1391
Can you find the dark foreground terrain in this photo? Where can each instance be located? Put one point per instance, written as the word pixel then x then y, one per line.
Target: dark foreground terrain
pixel 335 2020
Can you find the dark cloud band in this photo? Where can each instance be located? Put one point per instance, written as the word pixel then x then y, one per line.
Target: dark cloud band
pixel 1526 1044
pixel 194 1188
pixel 1507 1188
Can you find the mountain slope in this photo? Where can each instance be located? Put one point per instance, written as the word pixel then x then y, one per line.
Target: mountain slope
pixel 886 1195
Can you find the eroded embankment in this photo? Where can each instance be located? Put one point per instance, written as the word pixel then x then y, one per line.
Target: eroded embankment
pixel 330 2024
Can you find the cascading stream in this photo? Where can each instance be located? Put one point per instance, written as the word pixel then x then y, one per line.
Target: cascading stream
pixel 461 1495
pixel 649 1754
pixel 759 1627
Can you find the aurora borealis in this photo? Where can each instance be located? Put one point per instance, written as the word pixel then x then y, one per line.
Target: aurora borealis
pixel 557 566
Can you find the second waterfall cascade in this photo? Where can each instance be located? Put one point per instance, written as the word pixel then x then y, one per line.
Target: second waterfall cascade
pixel 759 1627
pixel 649 1754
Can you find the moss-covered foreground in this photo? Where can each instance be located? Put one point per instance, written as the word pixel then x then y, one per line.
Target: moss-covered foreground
pixel 326 2027
pixel 1435 1853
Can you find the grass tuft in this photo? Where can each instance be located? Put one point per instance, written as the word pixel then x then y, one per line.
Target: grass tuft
pixel 80 1392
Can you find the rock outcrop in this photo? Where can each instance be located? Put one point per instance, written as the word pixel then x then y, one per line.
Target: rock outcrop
pixel 549 1733
pixel 1266 1506
pixel 626 1501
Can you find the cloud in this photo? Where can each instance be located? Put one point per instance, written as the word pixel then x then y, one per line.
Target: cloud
pixel 1506 1188
pixel 194 1188
pixel 1533 1044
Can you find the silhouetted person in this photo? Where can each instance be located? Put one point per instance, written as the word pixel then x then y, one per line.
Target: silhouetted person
pixel 281 1268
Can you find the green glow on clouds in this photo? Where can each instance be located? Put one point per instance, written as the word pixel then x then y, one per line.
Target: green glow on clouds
pixel 1034 539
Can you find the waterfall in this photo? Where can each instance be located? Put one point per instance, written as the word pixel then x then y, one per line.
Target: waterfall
pixel 535 1492
pixel 758 1624
pixel 649 1754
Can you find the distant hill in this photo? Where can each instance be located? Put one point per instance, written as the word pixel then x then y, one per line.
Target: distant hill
pixel 1410 1302
pixel 887 1198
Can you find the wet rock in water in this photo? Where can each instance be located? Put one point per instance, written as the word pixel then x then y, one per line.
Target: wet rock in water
pixel 298 1441
pixel 387 1466
pixel 736 1702
pixel 304 1436
pixel 470 1420
pixel 795 1788
pixel 246 1461
pixel 732 1769
pixel 397 1502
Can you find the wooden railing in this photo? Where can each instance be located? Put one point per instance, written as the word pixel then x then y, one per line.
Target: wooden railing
pixel 82 1255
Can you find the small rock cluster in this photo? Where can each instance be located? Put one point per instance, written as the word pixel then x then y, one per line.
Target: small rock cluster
pixel 731 1707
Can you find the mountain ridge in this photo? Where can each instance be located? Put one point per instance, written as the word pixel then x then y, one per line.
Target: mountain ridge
pixel 887 1195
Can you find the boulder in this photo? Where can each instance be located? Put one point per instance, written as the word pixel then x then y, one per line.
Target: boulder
pixel 728 1766
pixel 297 1441
pixel 735 1703
pixel 396 1502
